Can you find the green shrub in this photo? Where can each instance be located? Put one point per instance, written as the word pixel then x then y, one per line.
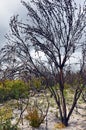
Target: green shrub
pixel 19 90
pixel 5 118
pixel 5 113
pixel 13 89
pixel 36 84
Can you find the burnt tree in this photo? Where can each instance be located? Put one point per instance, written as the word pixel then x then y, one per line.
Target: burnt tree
pixel 53 31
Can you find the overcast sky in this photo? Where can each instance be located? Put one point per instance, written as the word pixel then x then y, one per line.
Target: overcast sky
pixel 7 9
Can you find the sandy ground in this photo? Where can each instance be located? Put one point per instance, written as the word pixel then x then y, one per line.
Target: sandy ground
pixel 76 122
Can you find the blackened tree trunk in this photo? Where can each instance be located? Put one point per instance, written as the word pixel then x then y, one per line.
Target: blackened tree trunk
pixel 64 110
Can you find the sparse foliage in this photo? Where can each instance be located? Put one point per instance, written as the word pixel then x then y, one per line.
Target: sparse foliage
pixel 56 29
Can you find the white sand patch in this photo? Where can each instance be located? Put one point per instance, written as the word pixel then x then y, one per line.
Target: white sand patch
pixel 76 122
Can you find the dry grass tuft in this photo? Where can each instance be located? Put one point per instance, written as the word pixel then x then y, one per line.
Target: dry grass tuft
pixel 59 125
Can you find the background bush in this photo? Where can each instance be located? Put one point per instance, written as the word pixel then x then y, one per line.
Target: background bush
pixel 14 89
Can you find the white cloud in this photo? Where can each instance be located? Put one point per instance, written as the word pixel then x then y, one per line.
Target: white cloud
pixel 7 9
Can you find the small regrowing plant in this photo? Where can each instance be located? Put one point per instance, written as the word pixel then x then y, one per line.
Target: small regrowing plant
pixel 35 119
